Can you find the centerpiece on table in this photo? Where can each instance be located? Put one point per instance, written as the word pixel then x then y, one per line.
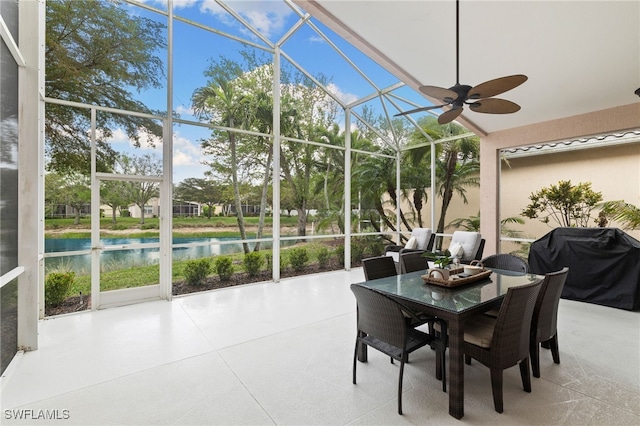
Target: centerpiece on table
pixel 440 259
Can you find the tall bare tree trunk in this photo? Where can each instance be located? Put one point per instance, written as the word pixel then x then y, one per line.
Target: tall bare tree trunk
pixel 302 221
pixel 263 199
pixel 236 188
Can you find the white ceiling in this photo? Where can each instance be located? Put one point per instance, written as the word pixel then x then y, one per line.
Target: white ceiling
pixel 580 56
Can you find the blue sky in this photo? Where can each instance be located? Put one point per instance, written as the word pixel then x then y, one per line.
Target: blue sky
pixel 195 48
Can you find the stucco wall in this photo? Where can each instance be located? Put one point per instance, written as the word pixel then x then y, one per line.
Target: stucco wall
pixel 614 171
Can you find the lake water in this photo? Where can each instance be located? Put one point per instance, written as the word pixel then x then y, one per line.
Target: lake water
pixel 134 257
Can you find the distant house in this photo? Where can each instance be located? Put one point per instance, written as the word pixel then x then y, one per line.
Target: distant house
pixel 180 209
pixel 64 211
pixel 151 209
pixel 186 209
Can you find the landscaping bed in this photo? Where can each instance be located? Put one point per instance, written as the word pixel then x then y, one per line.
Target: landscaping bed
pixel 81 303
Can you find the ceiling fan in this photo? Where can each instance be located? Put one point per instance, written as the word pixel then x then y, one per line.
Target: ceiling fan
pixel 479 98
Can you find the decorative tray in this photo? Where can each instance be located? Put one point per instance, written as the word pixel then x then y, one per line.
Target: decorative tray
pixel 455 280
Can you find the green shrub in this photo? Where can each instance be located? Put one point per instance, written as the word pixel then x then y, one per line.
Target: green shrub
pixel 195 271
pixel 149 226
pixel 340 255
pixel 357 250
pixel 269 259
pixel 224 268
pixel 373 246
pixel 323 257
pixel 119 227
pixel 298 257
pixel 56 287
pixel 253 262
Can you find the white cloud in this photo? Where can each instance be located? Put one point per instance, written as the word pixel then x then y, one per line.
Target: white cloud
pixel 185 152
pixel 182 4
pixel 345 97
pixel 117 136
pixel 267 16
pixel 182 159
pixel 145 139
pixel 316 39
pixel 148 141
pixel 187 157
pixel 181 109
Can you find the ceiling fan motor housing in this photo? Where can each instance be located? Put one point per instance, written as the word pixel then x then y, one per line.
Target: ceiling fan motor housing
pixel 461 90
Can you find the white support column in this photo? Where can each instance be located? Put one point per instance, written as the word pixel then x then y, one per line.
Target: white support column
pixel 166 187
pixel 166 212
pixel 95 219
pixel 347 189
pixel 31 173
pixel 433 187
pixel 398 190
pixel 276 166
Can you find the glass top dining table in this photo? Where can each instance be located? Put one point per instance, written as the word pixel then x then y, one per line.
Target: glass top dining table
pixel 455 305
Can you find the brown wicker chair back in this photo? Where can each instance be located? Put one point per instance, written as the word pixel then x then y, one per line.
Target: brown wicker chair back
pixel 508 262
pixel 412 262
pixel 509 343
pixel 545 318
pixel 382 325
pixel 379 267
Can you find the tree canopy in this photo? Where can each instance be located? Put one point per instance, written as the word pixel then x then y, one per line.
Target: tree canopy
pixel 200 190
pixel 96 53
pixel 566 204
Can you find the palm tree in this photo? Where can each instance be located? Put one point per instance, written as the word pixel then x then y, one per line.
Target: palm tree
pixel 627 214
pixel 330 178
pixel 472 223
pixel 416 173
pixel 457 162
pixel 220 96
pixel 373 176
pixel 263 122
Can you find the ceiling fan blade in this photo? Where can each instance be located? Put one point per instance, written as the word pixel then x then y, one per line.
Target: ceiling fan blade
pixel 494 106
pixel 495 87
pixel 426 108
pixel 449 116
pixel 445 95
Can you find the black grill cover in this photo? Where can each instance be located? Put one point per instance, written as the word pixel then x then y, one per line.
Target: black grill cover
pixel 604 264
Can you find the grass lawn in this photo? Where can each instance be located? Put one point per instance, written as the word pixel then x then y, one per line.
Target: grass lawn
pixel 129 227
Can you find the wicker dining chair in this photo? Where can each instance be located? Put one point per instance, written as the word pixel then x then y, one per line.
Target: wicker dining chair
pixel 507 262
pixel 379 267
pixel 503 342
pixel 545 318
pixel 381 325
pixel 385 266
pixel 412 261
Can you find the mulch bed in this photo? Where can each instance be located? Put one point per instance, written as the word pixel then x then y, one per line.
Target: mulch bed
pixel 77 303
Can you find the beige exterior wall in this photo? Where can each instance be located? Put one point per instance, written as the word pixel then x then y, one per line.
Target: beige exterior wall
pixel 613 171
pixel 457 209
pixel 614 120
